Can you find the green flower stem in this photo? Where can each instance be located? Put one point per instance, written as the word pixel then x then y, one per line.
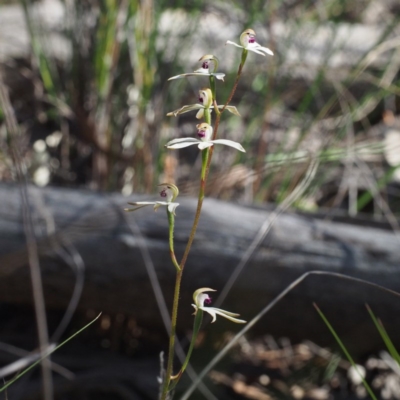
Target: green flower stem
pixel 207 116
pixel 171 222
pixel 239 73
pixel 218 119
pixel 196 328
pixel 171 348
pixel 244 56
pixel 206 161
pixel 213 87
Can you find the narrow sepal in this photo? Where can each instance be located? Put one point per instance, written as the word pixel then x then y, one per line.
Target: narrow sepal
pixel 229 143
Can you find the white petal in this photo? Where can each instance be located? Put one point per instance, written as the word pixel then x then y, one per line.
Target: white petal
pixel 226 314
pixel 219 311
pixel 177 77
pixel 160 203
pixel 257 51
pixel 136 208
pixel 202 71
pixel 210 311
pixel 266 50
pixel 200 113
pixel 233 110
pixel 219 75
pixel 142 203
pixel 186 139
pixel 230 143
pixel 182 144
pixel 185 109
pixel 172 207
pixel 139 204
pixel 195 73
pixel 235 44
pixel 204 145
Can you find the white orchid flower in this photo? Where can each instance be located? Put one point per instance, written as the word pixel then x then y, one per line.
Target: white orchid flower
pixel 248 42
pixel 200 298
pixel 169 192
pixel 205 69
pixel 206 100
pixel 204 132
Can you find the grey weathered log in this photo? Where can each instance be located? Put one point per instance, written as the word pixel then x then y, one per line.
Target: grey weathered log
pixel 116 280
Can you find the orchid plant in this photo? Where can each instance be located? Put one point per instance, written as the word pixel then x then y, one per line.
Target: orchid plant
pixel 205 141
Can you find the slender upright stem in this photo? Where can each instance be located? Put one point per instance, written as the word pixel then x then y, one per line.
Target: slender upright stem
pixel 196 328
pixel 239 73
pixel 218 119
pixel 171 348
pixel 206 161
pixel 205 154
pixel 171 222
pixel 178 278
pixel 213 87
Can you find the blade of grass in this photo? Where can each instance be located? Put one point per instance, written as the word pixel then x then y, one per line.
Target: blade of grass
pixel 345 351
pixel 44 63
pixel 8 384
pixel 384 335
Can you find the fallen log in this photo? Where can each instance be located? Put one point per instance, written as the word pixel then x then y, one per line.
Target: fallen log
pixel 94 227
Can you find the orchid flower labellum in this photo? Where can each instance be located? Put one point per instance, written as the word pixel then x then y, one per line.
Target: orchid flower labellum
pixel 169 192
pixel 206 100
pixel 204 132
pixel 205 69
pixel 248 42
pixel 200 298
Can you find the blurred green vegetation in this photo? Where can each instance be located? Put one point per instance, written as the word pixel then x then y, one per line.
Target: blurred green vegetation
pixel 327 94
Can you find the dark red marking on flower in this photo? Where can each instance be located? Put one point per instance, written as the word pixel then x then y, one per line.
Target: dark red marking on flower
pixel 252 39
pixel 205 65
pixel 201 100
pixel 208 300
pixel 201 133
pixel 163 193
